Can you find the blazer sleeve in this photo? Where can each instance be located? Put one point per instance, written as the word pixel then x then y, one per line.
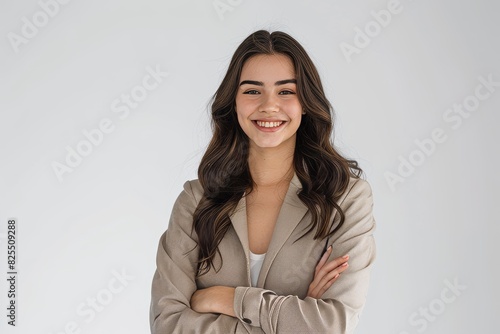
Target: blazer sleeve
pixel 338 310
pixel 174 279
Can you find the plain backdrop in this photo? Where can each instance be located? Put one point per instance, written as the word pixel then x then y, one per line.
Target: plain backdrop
pixel 65 74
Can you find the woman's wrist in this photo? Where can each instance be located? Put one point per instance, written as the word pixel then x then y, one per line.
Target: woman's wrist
pixel 224 300
pixel 215 299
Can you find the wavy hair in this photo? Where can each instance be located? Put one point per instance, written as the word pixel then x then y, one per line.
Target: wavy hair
pixel 224 172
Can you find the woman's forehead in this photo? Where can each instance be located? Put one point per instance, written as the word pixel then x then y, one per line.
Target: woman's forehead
pixel 268 68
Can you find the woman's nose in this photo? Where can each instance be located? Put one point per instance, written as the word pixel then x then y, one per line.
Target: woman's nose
pixel 269 104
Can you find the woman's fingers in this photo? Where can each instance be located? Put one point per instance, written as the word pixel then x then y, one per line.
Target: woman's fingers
pixel 326 273
pixel 320 285
pixel 323 259
pixel 329 266
pixel 332 273
pixel 327 285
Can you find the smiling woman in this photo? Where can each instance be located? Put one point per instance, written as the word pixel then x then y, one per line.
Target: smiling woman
pixel 276 235
pixel 269 111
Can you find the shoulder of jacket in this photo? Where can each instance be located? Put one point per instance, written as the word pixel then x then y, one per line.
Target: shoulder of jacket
pixel 356 188
pixel 194 189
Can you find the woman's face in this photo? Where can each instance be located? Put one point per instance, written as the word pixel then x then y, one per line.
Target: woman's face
pixel 267 105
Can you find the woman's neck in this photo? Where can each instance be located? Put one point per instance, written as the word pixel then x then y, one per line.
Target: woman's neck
pixel 271 166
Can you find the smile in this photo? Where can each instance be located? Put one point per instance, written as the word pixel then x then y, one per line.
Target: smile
pixel 269 124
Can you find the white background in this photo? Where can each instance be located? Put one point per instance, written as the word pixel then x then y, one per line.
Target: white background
pixel 107 214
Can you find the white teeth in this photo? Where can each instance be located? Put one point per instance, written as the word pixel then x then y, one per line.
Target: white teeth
pixel 269 124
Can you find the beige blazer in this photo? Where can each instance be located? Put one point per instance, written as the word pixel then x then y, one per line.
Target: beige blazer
pixel 278 304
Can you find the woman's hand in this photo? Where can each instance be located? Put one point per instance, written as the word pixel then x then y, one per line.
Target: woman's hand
pixel 326 274
pixel 216 299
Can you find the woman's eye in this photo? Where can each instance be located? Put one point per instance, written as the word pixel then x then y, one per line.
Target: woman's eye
pixel 251 92
pixel 286 92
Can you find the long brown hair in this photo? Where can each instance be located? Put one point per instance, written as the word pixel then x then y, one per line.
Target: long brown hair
pixel 224 173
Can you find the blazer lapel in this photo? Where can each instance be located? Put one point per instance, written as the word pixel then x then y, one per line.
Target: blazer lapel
pixel 291 213
pixel 239 222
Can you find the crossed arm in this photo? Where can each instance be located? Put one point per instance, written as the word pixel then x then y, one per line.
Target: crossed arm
pixel 220 299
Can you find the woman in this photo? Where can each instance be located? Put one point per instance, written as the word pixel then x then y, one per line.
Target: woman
pixel 276 235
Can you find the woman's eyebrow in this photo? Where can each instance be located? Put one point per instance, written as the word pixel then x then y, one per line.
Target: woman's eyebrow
pixel 260 83
pixel 283 82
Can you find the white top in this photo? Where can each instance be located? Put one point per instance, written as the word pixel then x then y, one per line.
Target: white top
pixel 256 261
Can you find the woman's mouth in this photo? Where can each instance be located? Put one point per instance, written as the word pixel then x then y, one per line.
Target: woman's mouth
pixel 269 124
